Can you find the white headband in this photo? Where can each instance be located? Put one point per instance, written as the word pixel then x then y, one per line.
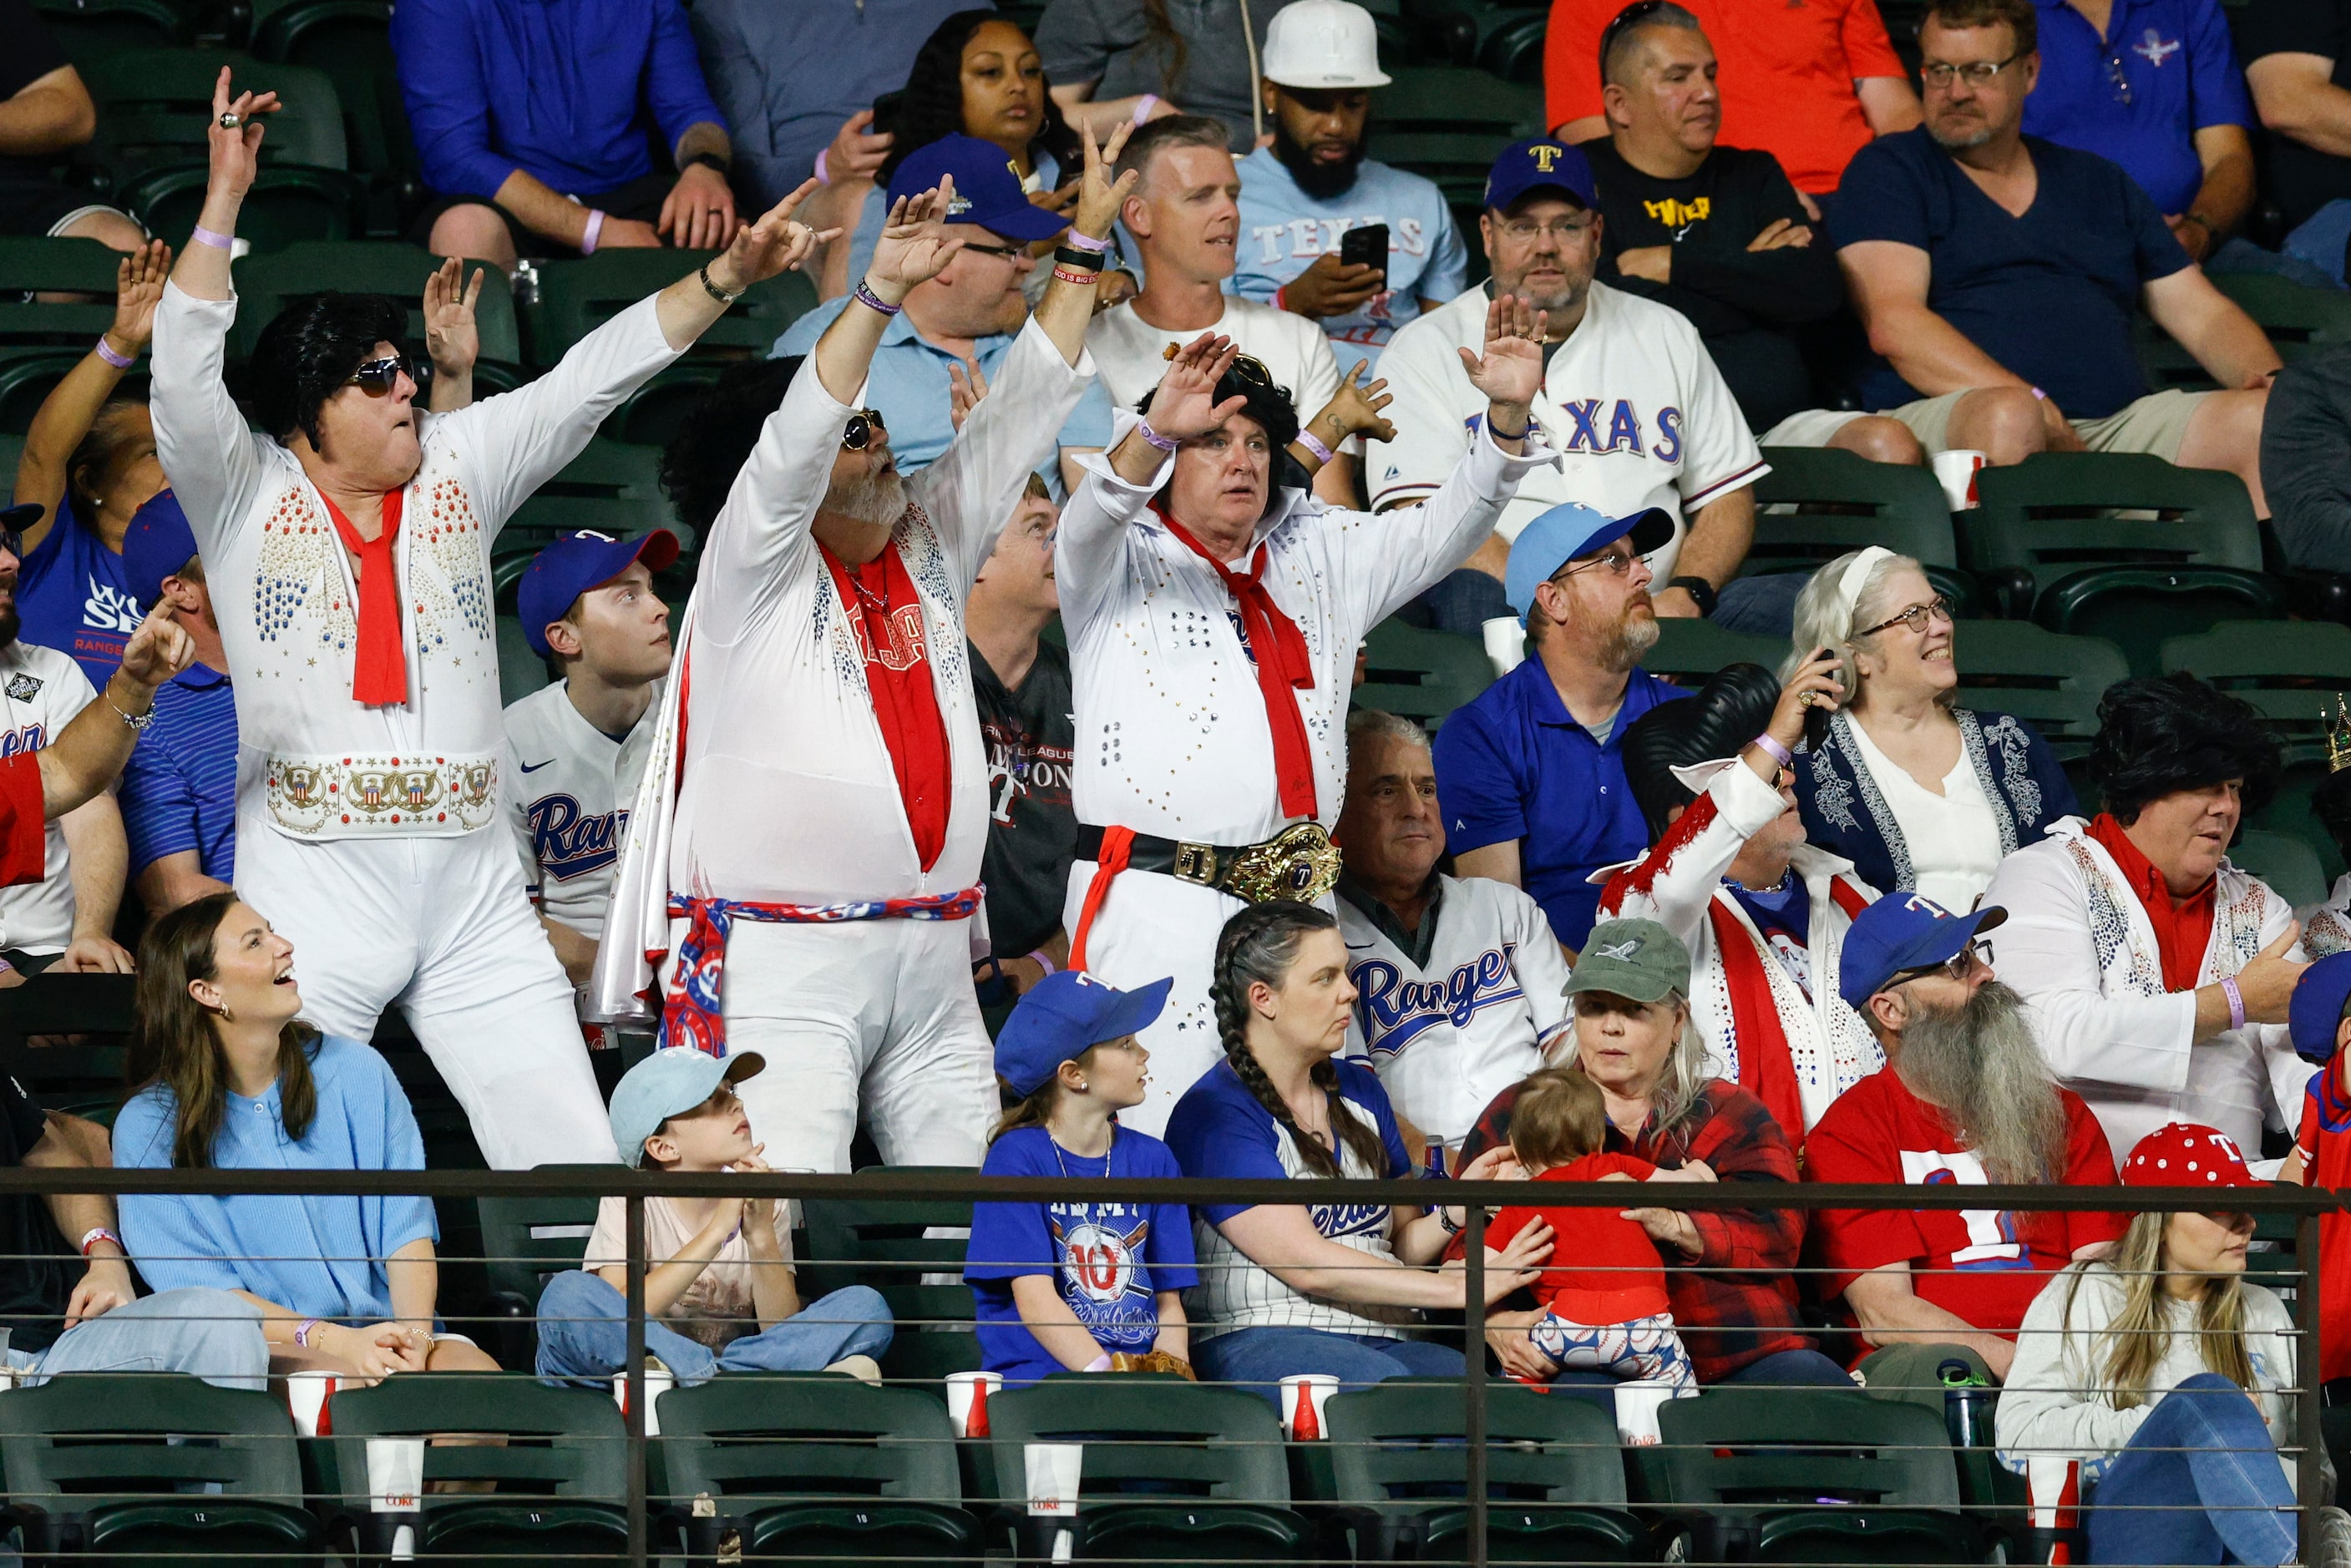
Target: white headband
pixel 1850 584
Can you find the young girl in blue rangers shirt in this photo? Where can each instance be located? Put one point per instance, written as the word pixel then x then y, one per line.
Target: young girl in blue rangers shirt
pixel 1066 1285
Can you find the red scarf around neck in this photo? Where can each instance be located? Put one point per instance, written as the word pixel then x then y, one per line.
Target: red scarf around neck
pixel 2183 927
pixel 380 668
pixel 1283 667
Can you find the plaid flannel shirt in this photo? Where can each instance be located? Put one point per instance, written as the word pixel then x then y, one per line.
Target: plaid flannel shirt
pixel 1728 1315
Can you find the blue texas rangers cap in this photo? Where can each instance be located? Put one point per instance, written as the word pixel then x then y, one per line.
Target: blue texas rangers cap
pixel 576 563
pixel 1536 163
pixel 986 188
pixel 1568 531
pixel 2320 999
pixel 158 543
pixel 669 1084
pixel 1902 931
pixel 1061 1016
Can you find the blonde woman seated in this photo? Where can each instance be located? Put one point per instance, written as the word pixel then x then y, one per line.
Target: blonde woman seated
pixel 2165 1376
pixel 1922 796
pixel 344 1284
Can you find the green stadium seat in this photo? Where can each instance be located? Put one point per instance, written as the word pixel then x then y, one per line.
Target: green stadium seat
pixel 526 1241
pixel 1817 504
pixel 2286 862
pixel 819 1467
pixel 1810 1476
pixel 90 30
pixel 1421 675
pixel 612 470
pixel 560 1477
pixel 2138 609
pixel 266 282
pixel 285 207
pixel 1514 49
pixel 28 376
pixel 520 670
pixel 2298 319
pixel 1554 1476
pixel 350 41
pixel 2051 682
pixel 539 519
pixel 128 1468
pixel 656 411
pixel 2296 672
pixel 58 266
pixel 893 1245
pixel 575 298
pixel 1446 123
pixel 91 1015
pixel 1688 650
pixel 1174 1471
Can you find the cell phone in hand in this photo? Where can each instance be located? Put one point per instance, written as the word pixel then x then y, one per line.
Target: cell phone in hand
pixel 1365 245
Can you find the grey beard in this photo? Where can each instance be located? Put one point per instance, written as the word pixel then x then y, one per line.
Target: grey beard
pixel 1627 642
pixel 1980 1066
pixel 877 498
pixel 1961 144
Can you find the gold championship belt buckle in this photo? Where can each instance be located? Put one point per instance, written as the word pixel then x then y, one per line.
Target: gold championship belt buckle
pixel 1299 862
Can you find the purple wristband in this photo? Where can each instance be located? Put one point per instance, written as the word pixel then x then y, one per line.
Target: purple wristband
pixel 1144 106
pixel 213 237
pixel 1077 241
pixel 1308 440
pixel 594 232
pixel 873 301
pixel 1775 751
pixel 823 175
pixel 1142 428
pixel 105 351
pixel 1100 1363
pixel 2236 1001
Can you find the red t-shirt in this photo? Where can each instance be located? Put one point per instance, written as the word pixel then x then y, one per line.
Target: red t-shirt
pixel 23 832
pixel 1984 1265
pixel 1616 1275
pixel 1787 76
pixel 2183 927
pixel 888 616
pixel 2326 1162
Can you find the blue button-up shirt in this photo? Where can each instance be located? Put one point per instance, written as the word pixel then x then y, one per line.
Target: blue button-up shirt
pixel 908 384
pixel 1515 765
pixel 179 788
pixel 2138 95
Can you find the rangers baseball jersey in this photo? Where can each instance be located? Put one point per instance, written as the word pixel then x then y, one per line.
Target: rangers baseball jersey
pixel 40 691
pixel 568 803
pixel 1631 402
pixel 1284 230
pixel 1448 1032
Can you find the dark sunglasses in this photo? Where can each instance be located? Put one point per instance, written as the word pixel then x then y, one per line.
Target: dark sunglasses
pixel 377 377
pixel 858 434
pixel 1251 369
pixel 1631 16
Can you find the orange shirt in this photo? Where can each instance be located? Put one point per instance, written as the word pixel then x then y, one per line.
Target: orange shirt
pixel 1787 72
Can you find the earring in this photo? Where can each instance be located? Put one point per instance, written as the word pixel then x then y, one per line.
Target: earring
pixel 1081 1085
pixel 226 1016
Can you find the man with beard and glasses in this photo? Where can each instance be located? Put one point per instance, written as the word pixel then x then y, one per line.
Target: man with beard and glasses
pixel 1301 194
pixel 1763 913
pixel 802 864
pixel 1997 275
pixel 1630 400
pixel 1964 1098
pixel 1531 773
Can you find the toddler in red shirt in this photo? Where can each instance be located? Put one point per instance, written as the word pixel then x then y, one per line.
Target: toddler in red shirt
pixel 1606 1312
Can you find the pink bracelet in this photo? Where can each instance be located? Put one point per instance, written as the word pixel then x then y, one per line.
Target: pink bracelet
pixel 1143 426
pixel 303 1332
pixel 823 175
pixel 1144 106
pixel 213 237
pixel 1775 751
pixel 2236 1001
pixel 595 228
pixel 1312 444
pixel 1079 241
pixel 1100 1363
pixel 105 351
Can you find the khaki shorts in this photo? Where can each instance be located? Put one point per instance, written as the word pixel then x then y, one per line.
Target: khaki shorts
pixel 1808 427
pixel 2155 425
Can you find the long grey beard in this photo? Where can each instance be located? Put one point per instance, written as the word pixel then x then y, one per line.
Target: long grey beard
pixel 877 498
pixel 1980 1066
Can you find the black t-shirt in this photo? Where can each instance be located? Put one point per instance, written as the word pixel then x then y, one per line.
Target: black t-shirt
pixel 2303 178
pixel 37 1268
pixel 1746 304
pixel 27 53
pixel 1032 830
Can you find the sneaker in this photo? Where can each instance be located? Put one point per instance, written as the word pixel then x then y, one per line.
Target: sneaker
pixel 2334 1539
pixel 864 1368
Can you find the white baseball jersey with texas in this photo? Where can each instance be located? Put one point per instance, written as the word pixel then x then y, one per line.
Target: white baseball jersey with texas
pixel 1172 737
pixel 368 834
pixel 1130 352
pixel 1631 401
pixel 1448 1034
pixel 40 691
pixel 573 785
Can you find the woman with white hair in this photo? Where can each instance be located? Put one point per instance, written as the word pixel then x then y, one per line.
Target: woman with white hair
pixel 1921 795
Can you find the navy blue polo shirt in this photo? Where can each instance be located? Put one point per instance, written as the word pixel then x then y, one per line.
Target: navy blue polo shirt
pixel 2049 294
pixel 2139 95
pixel 1515 765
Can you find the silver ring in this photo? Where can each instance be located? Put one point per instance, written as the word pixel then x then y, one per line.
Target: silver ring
pixel 231 122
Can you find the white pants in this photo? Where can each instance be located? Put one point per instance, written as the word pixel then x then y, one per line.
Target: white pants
pixel 441 927
pixel 874 1018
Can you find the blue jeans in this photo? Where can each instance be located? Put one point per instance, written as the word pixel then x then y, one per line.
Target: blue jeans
pixel 1260 1358
pixel 216 1334
pixel 2302 259
pixel 583 1333
pixel 1781 1369
pixel 2204 1445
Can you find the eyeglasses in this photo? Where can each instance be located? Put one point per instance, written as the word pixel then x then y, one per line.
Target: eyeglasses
pixel 377 377
pixel 1003 252
pixel 1615 563
pixel 1526 231
pixel 1978 73
pixel 1958 966
pixel 1915 617
pixel 858 434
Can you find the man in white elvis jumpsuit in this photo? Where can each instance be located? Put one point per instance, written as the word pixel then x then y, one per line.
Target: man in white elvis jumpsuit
pixel 805 882
pixel 348 558
pixel 1212 637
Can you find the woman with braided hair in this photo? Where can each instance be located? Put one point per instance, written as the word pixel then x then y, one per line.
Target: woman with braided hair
pixel 1329 1288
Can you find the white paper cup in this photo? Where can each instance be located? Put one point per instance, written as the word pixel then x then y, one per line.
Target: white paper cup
pixel 395 1474
pixel 1054 1470
pixel 658 1383
pixel 307 1393
pixel 967 1390
pixel 1956 469
pixel 1320 1386
pixel 1638 1403
pixel 1506 643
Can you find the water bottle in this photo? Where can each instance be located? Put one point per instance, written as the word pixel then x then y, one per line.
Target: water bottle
pixel 1967 1404
pixel 525 282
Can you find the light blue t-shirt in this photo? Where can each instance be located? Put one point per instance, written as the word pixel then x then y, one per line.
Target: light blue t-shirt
pixel 1283 230
pixel 908 384
pixel 322 1257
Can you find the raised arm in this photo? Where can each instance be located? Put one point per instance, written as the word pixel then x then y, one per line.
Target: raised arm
pixel 90 751
pixel 71 408
pixel 1675 882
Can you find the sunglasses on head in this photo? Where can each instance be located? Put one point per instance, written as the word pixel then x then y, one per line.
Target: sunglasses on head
pixel 1251 369
pixel 377 377
pixel 858 434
